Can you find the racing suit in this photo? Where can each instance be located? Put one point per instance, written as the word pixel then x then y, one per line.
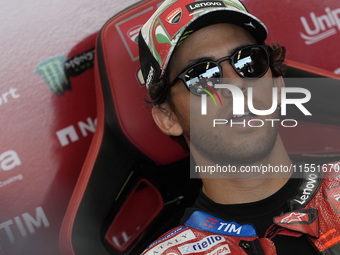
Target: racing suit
pixel 314 213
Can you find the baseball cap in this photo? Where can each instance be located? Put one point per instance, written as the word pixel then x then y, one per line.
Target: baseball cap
pixel 175 20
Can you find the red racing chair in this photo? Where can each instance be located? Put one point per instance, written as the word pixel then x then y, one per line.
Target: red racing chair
pixel 135 182
pixel 133 185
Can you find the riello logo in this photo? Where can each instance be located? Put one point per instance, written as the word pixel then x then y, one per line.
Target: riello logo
pixel 319 27
pixel 239 103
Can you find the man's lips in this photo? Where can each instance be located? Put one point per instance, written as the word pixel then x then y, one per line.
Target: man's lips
pixel 241 117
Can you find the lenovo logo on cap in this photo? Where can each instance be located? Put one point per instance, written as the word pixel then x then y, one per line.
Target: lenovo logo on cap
pixel 204 4
pixel 174 16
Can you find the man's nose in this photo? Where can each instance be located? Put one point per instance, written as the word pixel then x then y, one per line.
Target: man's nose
pixel 231 77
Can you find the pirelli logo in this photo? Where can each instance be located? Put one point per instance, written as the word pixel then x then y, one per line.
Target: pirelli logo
pixel 204 4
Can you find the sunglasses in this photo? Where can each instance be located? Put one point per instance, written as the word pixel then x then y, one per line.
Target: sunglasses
pixel 250 62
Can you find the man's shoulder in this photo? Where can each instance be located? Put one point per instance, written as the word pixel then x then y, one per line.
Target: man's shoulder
pixel 315 181
pixel 170 240
pixel 204 234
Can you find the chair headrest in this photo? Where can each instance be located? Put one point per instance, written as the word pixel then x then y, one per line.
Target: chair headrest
pixel 123 87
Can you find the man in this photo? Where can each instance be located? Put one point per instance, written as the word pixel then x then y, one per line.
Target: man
pixel 187 50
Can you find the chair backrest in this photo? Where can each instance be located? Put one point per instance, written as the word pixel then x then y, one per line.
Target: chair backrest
pixel 315 138
pixel 134 184
pixel 309 29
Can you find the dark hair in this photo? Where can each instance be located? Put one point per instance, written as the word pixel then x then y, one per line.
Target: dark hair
pixel 277 54
pixel 159 92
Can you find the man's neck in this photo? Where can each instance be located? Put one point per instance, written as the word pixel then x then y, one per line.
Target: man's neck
pixel 251 187
pixel 239 191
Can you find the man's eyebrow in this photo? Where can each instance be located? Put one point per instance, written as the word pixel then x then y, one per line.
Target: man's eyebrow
pixel 233 50
pixel 210 58
pixel 197 60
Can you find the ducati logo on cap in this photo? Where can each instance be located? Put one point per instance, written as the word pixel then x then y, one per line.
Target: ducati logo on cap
pixel 174 16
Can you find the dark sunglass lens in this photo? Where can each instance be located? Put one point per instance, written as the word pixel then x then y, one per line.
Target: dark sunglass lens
pixel 199 76
pixel 251 62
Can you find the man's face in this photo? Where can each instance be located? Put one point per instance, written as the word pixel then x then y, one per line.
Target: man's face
pixel 223 143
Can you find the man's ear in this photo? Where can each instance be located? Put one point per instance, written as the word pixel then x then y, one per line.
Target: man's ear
pixel 166 120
